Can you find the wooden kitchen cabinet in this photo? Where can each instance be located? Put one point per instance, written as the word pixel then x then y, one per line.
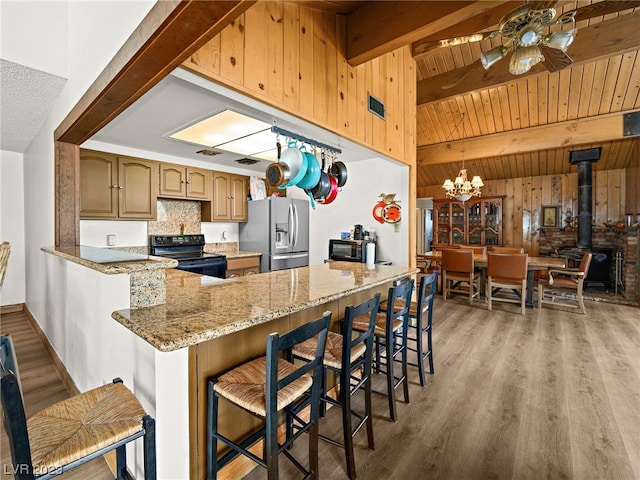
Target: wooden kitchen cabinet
pixel 179 181
pixel 241 267
pixel 117 186
pixel 229 199
pixel 475 222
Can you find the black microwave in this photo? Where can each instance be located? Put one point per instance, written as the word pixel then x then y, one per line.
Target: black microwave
pixel 348 250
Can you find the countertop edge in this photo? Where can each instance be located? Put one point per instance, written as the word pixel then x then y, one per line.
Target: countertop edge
pixel 240 254
pixel 185 341
pixel 153 263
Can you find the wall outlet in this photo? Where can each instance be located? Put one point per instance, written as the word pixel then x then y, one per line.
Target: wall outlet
pixel 111 240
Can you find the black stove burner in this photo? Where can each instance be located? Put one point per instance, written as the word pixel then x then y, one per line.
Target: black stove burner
pixel 189 251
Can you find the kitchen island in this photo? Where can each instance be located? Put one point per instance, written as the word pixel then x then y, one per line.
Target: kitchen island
pixel 173 329
pixel 223 323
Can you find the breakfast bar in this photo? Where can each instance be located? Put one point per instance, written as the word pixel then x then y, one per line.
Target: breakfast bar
pixel 225 322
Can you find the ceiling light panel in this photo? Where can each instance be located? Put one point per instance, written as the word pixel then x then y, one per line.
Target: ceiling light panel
pixel 258 142
pixel 221 129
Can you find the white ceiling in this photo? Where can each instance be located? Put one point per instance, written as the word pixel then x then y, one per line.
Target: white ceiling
pixel 183 98
pixel 27 97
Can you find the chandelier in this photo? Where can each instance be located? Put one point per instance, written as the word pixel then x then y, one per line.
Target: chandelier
pixel 461 188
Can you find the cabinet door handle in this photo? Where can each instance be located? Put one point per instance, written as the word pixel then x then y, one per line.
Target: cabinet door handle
pixel 120 186
pixel 114 186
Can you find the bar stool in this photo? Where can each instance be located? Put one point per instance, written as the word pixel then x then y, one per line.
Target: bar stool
pixel 265 386
pixel 356 353
pixel 421 314
pixel 73 431
pixel 391 326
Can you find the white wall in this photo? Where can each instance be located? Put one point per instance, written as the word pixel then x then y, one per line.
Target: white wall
pixel 354 204
pixel 12 225
pixel 34 34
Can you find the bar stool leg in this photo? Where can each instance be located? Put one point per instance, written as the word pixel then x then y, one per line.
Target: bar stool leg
pixel 430 352
pixel 391 380
pixel 121 462
pixel 212 426
pixel 149 425
pixel 405 369
pixel 419 348
pixel 345 400
pixel 271 444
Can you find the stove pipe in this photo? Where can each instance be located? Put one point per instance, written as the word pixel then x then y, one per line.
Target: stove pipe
pixel 584 159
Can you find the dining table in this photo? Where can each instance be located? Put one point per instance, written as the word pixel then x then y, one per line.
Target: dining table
pixel 480 261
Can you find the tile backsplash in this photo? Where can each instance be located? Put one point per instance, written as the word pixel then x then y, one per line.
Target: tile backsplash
pixel 176 217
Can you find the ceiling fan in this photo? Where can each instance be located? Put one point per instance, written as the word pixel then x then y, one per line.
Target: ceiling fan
pixel 523 32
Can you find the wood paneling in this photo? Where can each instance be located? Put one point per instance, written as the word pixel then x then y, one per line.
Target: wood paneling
pixel 525 196
pixel 301 68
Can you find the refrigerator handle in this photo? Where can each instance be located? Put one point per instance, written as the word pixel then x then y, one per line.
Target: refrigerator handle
pixel 290 221
pixel 295 210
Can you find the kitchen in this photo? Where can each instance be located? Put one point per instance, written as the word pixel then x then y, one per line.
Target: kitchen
pixel 40 207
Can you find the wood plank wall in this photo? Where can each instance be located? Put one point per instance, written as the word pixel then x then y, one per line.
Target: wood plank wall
pixel 525 196
pixel 293 57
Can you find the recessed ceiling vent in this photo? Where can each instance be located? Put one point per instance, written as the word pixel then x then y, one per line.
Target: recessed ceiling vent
pixel 376 106
pixel 247 161
pixel 208 152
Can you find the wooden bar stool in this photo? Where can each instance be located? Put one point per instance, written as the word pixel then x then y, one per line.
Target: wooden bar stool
pixel 421 314
pixel 264 387
pixel 74 431
pixel 355 353
pixel 390 332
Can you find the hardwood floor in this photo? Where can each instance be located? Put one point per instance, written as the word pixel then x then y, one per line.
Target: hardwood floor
pixel 553 394
pixel 41 387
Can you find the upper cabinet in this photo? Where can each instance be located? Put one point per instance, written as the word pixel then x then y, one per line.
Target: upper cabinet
pixel 117 186
pixel 229 199
pixel 178 181
pixel 476 222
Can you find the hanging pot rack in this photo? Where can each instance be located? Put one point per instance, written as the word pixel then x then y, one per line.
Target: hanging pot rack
pixel 309 141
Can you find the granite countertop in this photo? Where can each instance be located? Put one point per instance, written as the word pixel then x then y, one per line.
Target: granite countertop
pixel 198 308
pixel 241 254
pixel 111 261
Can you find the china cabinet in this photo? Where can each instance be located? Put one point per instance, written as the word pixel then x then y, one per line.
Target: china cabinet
pixel 475 222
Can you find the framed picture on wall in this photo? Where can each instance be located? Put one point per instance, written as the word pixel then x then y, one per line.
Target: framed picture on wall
pixel 550 215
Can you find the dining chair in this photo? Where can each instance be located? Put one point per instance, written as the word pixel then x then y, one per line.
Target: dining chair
pixel 476 249
pixel 566 278
pixel 508 271
pixel 458 271
pixel 69 433
pixel 5 250
pixel 349 355
pixel 495 249
pixel 264 387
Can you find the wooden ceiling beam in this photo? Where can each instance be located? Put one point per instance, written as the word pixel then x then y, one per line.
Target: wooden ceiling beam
pixel 611 37
pixel 381 27
pixel 574 132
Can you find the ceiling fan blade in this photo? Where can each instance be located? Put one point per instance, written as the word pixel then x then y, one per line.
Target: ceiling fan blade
pixel 423 47
pixel 542 4
pixel 603 8
pixel 555 59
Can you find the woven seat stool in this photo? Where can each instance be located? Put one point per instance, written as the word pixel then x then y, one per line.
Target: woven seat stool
pixel 390 334
pixel 350 357
pixel 421 319
pixel 73 431
pixel 264 387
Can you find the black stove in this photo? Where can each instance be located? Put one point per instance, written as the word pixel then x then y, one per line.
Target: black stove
pixel 189 251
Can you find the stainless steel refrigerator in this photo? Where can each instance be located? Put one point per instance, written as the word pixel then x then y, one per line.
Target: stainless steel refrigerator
pixel 278 228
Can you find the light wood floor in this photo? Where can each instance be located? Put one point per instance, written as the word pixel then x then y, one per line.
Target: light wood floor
pixel 41 387
pixel 553 395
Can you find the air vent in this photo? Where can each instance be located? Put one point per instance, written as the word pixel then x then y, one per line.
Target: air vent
pixel 247 161
pixel 376 106
pixel 208 152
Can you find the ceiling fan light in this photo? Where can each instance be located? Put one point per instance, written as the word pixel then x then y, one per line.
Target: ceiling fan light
pixel 560 40
pixel 492 56
pixel 524 59
pixel 530 35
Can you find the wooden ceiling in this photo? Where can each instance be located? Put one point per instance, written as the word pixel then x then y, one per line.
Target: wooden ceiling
pixel 514 126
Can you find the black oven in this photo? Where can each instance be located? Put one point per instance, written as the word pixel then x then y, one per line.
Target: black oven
pixel 348 250
pixel 189 251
